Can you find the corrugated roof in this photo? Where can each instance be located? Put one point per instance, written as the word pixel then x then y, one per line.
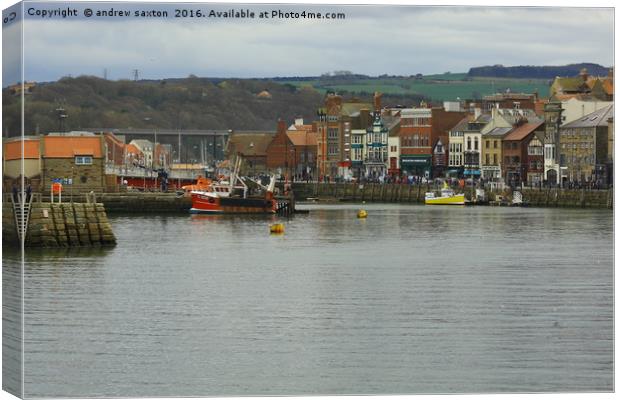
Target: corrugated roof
pixel 522 131
pixel 63 146
pixel 597 118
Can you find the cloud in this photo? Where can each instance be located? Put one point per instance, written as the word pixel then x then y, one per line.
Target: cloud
pixel 371 40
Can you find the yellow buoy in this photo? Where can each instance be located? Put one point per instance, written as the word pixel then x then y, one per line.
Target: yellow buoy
pixel 276 228
pixel 362 214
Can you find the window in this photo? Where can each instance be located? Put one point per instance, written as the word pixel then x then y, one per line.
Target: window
pixel 332 133
pixel 495 144
pixel 494 159
pixel 487 144
pixel 487 158
pixel 475 143
pixel 83 160
pixel 468 143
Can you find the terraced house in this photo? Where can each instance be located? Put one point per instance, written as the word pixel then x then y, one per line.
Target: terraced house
pixel 334 126
pixel 583 148
pixel 515 151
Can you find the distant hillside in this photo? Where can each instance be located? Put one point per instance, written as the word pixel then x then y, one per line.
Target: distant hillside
pixel 536 72
pixel 190 103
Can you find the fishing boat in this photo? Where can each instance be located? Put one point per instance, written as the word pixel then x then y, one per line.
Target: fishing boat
pixel 233 196
pixel 447 196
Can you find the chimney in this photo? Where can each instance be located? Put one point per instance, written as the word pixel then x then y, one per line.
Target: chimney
pixel 281 127
pixel 477 112
pixel 364 118
pixel 377 101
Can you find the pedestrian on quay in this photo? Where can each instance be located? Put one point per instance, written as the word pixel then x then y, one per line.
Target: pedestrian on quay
pixel 28 193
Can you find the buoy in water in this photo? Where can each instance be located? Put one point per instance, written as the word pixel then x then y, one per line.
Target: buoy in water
pixel 276 228
pixel 362 214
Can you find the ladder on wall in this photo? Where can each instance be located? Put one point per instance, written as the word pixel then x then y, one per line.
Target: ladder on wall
pixel 22 215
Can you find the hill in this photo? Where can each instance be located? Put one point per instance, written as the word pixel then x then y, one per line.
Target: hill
pixel 536 72
pixel 189 103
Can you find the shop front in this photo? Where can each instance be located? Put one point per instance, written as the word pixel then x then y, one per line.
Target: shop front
pixel 417 165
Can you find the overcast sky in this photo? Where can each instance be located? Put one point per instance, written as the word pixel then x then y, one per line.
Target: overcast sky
pixel 371 40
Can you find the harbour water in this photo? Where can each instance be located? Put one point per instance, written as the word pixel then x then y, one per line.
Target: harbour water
pixel 410 300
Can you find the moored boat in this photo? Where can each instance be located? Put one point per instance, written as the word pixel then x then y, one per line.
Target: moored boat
pixel 232 197
pixel 447 197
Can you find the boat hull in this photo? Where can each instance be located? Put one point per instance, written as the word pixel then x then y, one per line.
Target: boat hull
pixel 205 204
pixel 457 200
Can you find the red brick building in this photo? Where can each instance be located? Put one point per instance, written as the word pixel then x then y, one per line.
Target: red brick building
pixel 442 122
pixel 514 150
pixel 281 151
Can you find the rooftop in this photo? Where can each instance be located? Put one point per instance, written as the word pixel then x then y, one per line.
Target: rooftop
pixel 521 132
pixel 597 118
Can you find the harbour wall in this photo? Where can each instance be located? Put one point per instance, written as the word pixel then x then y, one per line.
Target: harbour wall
pixel 145 202
pixel 60 225
pixel 399 193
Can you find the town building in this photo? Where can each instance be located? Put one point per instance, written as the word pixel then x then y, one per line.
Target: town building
pixel 472 146
pixel 19 88
pixel 442 120
pixel 376 161
pixel 335 122
pixel 573 108
pixel 147 149
pixel 114 149
pixel 394 153
pixel 582 87
pixel 304 150
pixel 358 152
pixel 535 159
pixel 515 146
pixel 133 156
pixel 12 161
pixel 583 148
pixel 553 121
pixel 281 152
pixel 456 158
pixel 415 141
pixel 252 146
pixel 509 100
pixel 491 154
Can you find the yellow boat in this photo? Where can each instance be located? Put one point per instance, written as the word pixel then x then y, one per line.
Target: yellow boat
pixel 447 197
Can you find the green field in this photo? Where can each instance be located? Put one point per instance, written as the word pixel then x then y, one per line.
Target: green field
pixel 435 87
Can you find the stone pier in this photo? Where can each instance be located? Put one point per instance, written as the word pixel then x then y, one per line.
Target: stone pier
pixel 61 225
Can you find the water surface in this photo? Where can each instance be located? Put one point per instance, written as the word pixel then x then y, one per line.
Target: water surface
pixel 412 299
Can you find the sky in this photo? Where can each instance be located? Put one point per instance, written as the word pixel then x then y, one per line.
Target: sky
pixel 372 40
